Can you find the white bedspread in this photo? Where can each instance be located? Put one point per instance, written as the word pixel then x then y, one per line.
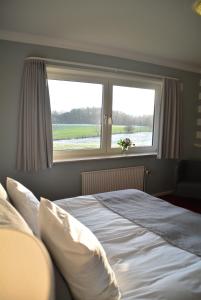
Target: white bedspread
pixel 146 266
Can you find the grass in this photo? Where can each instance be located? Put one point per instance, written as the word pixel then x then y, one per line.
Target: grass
pixel 67 132
pixel 76 131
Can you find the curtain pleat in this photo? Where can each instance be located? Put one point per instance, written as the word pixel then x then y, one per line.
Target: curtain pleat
pixel 35 145
pixel 170 120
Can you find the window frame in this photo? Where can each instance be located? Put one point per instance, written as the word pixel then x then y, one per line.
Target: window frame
pixel 108 80
pixel 145 85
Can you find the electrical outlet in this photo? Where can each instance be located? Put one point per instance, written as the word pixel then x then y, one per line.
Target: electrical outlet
pixel 148 172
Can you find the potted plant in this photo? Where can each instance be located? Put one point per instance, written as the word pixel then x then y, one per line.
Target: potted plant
pixel 125 144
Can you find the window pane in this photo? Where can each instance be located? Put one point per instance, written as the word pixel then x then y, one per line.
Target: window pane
pixel 133 115
pixel 76 114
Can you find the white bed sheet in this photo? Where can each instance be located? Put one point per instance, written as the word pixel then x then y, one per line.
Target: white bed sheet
pixel 146 266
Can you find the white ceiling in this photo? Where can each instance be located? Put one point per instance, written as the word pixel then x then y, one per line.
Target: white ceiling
pixel 166 32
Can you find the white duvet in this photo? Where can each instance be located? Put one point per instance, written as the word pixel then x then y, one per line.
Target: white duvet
pixel 146 266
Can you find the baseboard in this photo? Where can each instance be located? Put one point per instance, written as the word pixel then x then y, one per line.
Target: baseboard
pixel 160 194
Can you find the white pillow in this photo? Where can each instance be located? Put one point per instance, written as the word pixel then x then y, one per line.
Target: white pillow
pixel 78 254
pixel 3 194
pixel 25 202
pixel 10 218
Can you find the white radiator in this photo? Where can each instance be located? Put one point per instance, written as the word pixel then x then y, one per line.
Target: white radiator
pixel 114 179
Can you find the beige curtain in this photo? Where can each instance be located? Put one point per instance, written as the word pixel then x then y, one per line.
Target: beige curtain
pixel 170 120
pixel 35 145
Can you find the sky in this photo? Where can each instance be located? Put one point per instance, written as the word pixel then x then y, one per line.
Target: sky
pixel 66 95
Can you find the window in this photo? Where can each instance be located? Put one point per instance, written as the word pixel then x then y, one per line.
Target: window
pixel 133 115
pixel 76 114
pixel 92 111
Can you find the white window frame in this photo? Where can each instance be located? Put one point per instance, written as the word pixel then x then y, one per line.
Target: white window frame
pixel 108 79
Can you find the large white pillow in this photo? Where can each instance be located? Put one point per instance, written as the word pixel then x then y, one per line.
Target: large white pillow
pixel 25 202
pixel 3 193
pixel 10 218
pixel 78 254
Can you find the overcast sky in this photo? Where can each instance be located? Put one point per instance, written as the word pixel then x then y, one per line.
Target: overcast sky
pixel 66 95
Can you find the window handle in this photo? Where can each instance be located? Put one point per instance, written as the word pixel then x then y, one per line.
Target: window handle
pixel 105 119
pixel 110 120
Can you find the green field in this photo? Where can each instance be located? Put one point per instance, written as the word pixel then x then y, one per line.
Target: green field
pixel 77 131
pixel 74 131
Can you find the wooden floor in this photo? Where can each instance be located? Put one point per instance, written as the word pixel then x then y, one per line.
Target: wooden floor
pixel 188 203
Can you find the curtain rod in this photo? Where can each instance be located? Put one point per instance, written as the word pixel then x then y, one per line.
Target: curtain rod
pixel 103 68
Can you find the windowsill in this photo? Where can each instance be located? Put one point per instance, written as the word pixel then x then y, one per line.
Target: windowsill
pixel 102 157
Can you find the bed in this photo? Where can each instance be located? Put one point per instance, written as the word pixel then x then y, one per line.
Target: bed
pixel 146 265
pixel 153 247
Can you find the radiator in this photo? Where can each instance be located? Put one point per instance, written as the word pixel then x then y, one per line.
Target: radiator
pixel 114 179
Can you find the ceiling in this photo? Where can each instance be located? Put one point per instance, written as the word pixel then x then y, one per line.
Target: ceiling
pixel 165 32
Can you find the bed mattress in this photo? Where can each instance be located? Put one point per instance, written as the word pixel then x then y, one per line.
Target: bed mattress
pixel 146 266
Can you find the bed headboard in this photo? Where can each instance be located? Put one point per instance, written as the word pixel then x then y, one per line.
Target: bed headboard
pixel 24 258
